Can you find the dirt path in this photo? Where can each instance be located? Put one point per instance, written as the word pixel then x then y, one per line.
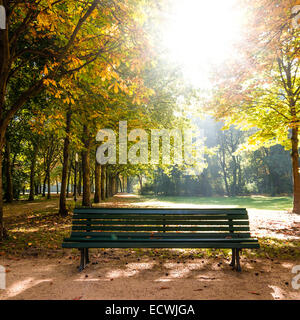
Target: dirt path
pixel 114 276
pixel 123 274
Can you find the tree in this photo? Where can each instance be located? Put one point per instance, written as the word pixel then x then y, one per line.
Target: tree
pixel 261 88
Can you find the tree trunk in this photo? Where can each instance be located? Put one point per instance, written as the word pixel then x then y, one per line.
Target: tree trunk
pixel 140 181
pixel 9 195
pixel 3 233
pixel 32 173
pixel 295 165
pixel 36 189
pixel 114 185
pixel 86 197
pixel 110 188
pixel 121 184
pixel 106 182
pixel 68 181
pixel 92 183
pixel 234 175
pixel 79 179
pixel 102 183
pixel 97 196
pixel 49 184
pixel 63 211
pixel 128 185
pixel 44 185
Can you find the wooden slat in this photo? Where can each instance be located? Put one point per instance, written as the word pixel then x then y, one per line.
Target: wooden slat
pixel 162 234
pixel 154 245
pixel 157 222
pixel 155 228
pixel 146 211
pixel 235 240
pixel 161 217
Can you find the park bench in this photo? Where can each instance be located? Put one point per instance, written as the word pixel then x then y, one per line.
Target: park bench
pixel 160 228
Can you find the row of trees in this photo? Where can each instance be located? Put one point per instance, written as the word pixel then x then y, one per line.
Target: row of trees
pixel 67 69
pixel 227 171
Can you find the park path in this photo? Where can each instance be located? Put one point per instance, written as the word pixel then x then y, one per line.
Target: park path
pixel 127 274
pixel 121 274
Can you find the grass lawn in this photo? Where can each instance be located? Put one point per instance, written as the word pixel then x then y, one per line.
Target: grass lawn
pixel 250 202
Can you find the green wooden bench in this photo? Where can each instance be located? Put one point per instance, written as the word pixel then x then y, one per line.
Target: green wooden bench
pixel 160 228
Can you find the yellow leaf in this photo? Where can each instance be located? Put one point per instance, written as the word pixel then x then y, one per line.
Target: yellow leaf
pixel 116 89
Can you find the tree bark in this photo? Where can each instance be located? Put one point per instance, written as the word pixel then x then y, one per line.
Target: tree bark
pixel 68 180
pixel 3 233
pixel 295 165
pixel 79 179
pixel 44 185
pixel 114 185
pixel 121 184
pixel 140 181
pixel 49 184
pixel 32 173
pixel 102 182
pixel 86 197
pixel 106 182
pixel 63 211
pixel 9 194
pixel 97 196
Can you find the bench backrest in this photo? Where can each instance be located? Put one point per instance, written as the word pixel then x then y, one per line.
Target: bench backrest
pixel 139 222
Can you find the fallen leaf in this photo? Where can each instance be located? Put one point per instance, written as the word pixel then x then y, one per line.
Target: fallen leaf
pixel 207 278
pixel 77 298
pixel 252 292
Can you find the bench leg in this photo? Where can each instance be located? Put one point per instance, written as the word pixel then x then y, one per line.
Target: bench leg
pixel 238 265
pixel 232 263
pixel 82 260
pixel 87 260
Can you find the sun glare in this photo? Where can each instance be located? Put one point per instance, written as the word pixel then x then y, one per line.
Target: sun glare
pixel 201 33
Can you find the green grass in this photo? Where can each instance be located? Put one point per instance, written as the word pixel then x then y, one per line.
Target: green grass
pixel 250 202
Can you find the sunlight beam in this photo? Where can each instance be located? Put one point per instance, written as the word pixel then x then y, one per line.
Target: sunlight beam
pixel 200 34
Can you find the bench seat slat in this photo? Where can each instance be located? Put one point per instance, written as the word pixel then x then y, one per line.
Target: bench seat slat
pixel 145 211
pixel 161 216
pixel 105 239
pixel 157 222
pixel 162 244
pixel 156 228
pixel 162 234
